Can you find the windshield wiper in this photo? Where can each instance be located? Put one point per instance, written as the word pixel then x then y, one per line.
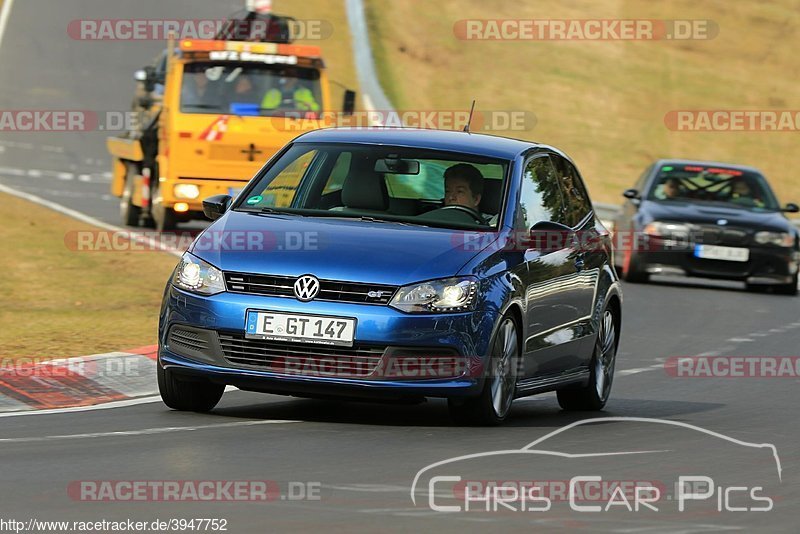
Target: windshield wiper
pixel 367 218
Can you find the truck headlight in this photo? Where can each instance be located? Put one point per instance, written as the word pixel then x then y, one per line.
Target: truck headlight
pixel 436 296
pixel 197 276
pixel 187 191
pixel 781 239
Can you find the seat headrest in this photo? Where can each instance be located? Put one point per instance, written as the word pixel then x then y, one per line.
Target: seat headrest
pixel 490 199
pixel 364 188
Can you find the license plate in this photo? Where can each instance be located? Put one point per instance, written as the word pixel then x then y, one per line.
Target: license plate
pixel 316 329
pixel 714 252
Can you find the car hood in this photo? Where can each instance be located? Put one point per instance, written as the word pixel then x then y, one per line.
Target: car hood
pixel 711 214
pixel 336 249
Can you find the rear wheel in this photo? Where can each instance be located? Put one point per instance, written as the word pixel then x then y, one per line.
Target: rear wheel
pixel 594 395
pixel 187 395
pixel 492 406
pixel 128 212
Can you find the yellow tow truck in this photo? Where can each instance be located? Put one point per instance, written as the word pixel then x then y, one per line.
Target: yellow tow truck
pixel 209 114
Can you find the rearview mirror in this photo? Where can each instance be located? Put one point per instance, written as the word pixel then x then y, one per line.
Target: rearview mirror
pixel 791 207
pixel 349 104
pixel 214 207
pixel 392 165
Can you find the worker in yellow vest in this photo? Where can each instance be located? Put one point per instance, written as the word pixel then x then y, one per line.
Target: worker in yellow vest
pixel 290 95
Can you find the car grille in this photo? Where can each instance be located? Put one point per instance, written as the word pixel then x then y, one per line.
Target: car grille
pixel 717 235
pixel 283 286
pixel 307 360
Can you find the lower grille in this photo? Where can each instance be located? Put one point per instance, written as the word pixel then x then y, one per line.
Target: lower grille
pixel 291 358
pixel 727 236
pixel 187 339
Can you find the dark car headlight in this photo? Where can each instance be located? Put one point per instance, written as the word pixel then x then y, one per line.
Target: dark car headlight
pixel 436 296
pixel 197 276
pixel 781 239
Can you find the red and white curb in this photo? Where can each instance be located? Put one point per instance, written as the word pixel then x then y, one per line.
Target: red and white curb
pixel 75 382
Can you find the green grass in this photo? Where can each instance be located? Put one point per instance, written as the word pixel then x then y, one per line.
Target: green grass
pixel 604 102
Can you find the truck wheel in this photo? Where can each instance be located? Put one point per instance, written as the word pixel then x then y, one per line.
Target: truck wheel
pixel 165 219
pixel 128 212
pixel 185 395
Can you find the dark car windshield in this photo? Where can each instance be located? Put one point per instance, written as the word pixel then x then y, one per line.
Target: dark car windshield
pixel 249 89
pixel 733 187
pixel 401 184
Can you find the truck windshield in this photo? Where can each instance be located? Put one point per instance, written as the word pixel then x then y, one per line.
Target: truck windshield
pixel 250 89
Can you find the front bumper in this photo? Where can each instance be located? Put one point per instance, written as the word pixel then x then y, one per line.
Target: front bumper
pixel 465 336
pixel 766 265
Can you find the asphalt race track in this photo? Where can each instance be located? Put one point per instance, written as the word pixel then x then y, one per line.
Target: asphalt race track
pixel 361 459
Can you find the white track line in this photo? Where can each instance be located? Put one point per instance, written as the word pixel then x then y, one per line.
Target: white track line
pixel 69 212
pixel 145 431
pixel 4 15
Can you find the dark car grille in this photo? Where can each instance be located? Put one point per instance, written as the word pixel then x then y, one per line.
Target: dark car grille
pixel 283 286
pixel 717 235
pixel 307 360
pixel 188 339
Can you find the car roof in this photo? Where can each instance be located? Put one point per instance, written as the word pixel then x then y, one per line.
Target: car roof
pixel 445 140
pixel 703 163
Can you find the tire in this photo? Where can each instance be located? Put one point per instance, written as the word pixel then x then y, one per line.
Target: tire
pixel 492 406
pixel 165 221
pixel 631 269
pixel 187 395
pixel 594 395
pixel 128 212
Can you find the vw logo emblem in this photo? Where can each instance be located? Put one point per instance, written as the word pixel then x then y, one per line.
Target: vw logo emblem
pixel 306 288
pixel 722 222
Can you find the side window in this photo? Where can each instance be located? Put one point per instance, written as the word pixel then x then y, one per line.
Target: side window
pixel 540 196
pixel 577 205
pixel 281 190
pixel 338 173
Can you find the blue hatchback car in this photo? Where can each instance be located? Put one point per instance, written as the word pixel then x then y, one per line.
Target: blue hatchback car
pixel 398 264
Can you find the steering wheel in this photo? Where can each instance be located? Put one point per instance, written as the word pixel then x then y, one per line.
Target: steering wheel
pixel 469 211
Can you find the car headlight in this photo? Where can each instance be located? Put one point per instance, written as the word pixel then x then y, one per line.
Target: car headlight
pixel 446 295
pixel 668 229
pixel 782 239
pixel 188 191
pixel 197 276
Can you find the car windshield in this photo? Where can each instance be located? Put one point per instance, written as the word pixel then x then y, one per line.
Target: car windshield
pixel 396 184
pixel 250 89
pixel 733 187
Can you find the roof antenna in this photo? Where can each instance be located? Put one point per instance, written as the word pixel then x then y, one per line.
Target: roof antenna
pixel 469 120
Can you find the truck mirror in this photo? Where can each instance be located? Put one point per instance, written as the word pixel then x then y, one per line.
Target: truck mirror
pixel 349 105
pixel 140 75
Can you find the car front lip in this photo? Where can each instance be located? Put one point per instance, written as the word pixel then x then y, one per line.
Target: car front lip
pixel 767 265
pixel 467 334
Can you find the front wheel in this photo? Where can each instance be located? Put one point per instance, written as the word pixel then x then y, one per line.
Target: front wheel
pixel 594 395
pixel 493 404
pixel 129 213
pixel 187 395
pixel 788 289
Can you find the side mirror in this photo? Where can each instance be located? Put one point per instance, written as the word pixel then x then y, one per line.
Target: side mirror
pixel 349 104
pixel 214 207
pixel 140 75
pixel 548 236
pixel 791 207
pixel 632 194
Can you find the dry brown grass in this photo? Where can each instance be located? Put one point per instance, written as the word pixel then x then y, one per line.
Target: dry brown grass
pixel 60 302
pixel 604 102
